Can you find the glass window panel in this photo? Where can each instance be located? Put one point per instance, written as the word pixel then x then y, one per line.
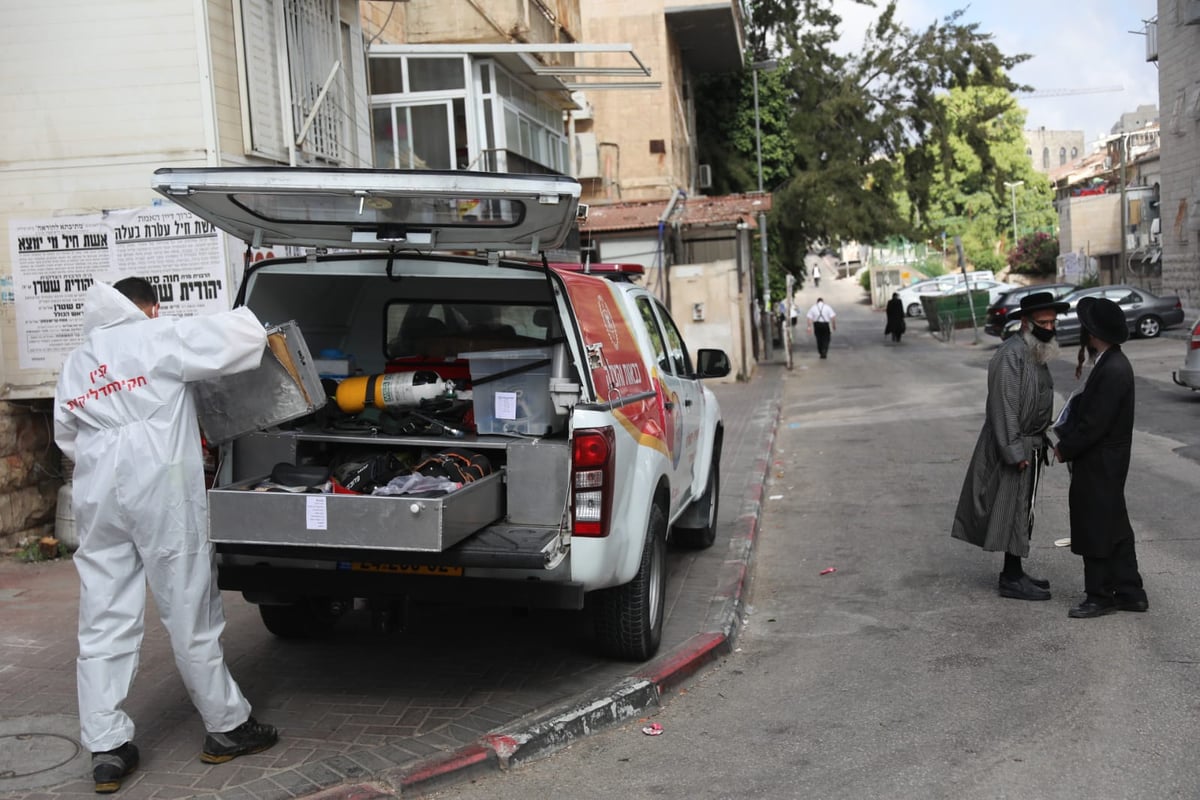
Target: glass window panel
pixel 512 130
pixel 485 78
pixel 382 132
pixel 489 136
pixel 526 146
pixel 656 337
pixel 435 74
pixel 386 75
pixel 430 137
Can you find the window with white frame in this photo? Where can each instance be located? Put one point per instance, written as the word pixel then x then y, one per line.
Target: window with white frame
pixel 297 93
pixel 454 112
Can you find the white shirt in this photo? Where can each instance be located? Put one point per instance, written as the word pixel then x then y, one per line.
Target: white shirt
pixel 821 312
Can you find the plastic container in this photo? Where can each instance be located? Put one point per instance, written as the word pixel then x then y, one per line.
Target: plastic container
pixel 511 391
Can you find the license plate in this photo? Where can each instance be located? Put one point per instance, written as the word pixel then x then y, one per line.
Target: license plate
pixel 408 569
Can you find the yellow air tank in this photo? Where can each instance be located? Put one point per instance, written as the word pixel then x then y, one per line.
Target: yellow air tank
pixel 392 390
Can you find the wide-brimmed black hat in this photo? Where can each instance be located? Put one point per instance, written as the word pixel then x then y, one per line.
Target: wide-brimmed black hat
pixel 1103 319
pixel 1038 301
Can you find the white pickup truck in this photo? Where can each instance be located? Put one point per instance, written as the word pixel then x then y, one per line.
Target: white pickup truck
pixel 600 439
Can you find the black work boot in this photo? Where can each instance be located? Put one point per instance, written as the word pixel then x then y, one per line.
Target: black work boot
pixel 111 766
pixel 249 737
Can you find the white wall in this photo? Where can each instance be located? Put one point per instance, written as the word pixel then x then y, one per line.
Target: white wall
pixel 96 96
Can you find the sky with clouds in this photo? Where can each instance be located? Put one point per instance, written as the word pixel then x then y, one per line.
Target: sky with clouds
pixel 1074 44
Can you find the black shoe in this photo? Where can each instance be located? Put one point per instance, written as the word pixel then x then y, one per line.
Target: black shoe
pixel 1041 583
pixel 1133 605
pixel 111 766
pixel 249 737
pixel 1022 589
pixel 1090 608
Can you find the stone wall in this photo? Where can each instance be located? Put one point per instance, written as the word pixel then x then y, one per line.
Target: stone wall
pixel 1179 99
pixel 30 466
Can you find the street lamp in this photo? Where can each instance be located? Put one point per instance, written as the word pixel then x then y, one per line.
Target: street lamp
pixel 1013 187
pixel 768 65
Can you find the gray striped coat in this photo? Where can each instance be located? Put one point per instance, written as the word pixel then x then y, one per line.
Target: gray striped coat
pixel 993 508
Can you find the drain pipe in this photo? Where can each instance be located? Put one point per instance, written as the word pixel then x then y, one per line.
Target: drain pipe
pixel 663 219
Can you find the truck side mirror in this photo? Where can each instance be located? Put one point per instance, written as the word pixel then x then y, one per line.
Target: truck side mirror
pixel 712 363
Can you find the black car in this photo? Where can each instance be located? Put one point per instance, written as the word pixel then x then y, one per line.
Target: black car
pixel 1008 302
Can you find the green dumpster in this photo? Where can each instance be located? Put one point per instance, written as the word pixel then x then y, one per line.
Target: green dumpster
pixel 955 307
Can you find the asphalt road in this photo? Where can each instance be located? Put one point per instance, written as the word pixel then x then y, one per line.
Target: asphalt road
pixel 902 674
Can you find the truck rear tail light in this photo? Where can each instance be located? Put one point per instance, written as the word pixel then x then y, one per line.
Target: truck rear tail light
pixel 1195 345
pixel 592 454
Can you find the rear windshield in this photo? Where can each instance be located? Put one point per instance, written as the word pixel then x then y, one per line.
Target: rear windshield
pixel 440 330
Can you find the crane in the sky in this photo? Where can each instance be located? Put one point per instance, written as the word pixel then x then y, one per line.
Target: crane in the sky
pixel 1064 92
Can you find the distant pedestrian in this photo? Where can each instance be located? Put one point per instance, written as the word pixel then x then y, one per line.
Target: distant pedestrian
pixel 895 318
pixel 822 321
pixel 816 276
pixel 1095 435
pixel 995 508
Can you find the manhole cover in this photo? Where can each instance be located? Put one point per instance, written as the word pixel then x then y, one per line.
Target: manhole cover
pixel 40 751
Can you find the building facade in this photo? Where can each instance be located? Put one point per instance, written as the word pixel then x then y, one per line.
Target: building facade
pixel 1049 150
pixel 1176 38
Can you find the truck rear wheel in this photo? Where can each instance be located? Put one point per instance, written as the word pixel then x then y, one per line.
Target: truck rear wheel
pixel 629 618
pixel 308 618
pixel 703 537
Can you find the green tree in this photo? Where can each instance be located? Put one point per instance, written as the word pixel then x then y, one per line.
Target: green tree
pixel 843 136
pixel 972 165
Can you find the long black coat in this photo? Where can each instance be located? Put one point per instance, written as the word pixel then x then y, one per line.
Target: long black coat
pixel 1097 438
pixel 895 316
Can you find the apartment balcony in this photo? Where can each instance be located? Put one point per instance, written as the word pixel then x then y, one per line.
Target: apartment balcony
pixel 710 35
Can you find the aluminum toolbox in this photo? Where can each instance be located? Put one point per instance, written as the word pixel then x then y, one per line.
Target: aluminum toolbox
pixel 239 515
pixel 285 386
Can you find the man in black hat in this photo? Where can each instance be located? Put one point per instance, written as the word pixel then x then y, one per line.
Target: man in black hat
pixel 1096 438
pixel 995 508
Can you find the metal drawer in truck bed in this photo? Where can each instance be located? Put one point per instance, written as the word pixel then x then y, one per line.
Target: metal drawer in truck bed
pixel 239 515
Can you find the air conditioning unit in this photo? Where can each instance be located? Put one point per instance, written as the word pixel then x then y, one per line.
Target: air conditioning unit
pixel 1155 230
pixel 587 156
pixel 1152 40
pixel 704 176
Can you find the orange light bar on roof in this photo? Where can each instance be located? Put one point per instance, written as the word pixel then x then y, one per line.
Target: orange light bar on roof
pixel 599 268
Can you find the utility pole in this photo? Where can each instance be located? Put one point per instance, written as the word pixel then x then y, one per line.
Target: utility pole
pixel 1124 209
pixel 769 64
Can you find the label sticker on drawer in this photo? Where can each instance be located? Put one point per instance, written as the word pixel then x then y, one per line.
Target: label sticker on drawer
pixel 506 405
pixel 314 514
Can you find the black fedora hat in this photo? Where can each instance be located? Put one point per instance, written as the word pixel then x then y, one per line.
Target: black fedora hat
pixel 1038 301
pixel 1103 319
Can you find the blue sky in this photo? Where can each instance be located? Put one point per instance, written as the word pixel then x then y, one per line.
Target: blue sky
pixel 1075 44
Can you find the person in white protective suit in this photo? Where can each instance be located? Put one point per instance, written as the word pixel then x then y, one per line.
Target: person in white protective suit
pixel 124 413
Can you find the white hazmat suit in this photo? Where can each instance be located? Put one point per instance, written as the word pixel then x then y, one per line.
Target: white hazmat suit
pixel 124 413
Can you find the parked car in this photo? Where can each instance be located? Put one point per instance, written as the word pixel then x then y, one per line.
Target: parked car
pixel 564 408
pixel 997 313
pixel 1147 315
pixel 994 288
pixel 1189 375
pixel 911 295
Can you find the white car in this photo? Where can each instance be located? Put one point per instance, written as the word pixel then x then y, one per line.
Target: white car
pixel 994 288
pixel 911 295
pixel 1189 375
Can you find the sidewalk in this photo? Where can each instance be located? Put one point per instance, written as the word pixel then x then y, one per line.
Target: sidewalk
pixel 462 691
